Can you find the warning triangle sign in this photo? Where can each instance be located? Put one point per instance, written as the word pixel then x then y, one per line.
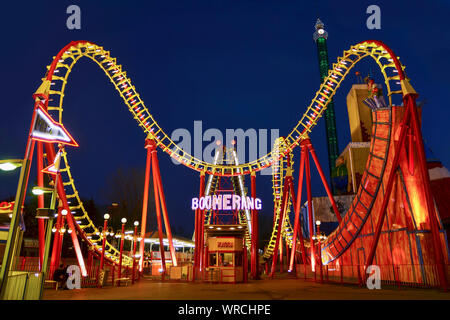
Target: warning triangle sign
pixel 47 130
pixel 54 167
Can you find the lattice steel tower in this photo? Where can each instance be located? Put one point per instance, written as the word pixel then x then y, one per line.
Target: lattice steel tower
pixel 320 37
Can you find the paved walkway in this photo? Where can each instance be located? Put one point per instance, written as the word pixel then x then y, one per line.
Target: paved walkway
pixel 279 289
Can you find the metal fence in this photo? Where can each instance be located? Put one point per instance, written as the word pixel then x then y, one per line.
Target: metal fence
pixel 405 275
pixel 23 286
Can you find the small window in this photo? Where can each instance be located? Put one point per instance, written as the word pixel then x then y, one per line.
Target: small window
pixel 225 259
pixel 213 259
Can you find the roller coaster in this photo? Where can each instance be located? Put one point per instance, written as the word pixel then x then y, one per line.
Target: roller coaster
pixel 361 227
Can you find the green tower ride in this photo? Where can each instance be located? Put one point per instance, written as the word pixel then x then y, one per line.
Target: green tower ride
pixel 338 186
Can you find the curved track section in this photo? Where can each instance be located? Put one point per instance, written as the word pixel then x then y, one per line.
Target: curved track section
pixel 61 66
pixel 57 78
pixel 279 169
pixel 355 218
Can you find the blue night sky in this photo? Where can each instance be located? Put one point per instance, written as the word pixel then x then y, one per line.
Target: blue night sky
pixel 231 64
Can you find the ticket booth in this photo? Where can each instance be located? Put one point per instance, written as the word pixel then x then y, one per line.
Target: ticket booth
pixel 225 254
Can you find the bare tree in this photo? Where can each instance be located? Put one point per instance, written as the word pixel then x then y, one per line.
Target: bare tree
pixel 125 187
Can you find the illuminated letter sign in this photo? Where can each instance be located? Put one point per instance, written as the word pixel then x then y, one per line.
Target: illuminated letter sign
pixel 47 130
pixel 226 202
pixel 227 244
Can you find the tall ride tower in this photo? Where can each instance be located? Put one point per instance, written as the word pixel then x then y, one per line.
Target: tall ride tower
pixel 320 37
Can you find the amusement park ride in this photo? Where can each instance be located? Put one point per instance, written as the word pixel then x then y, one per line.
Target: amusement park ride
pixel 392 221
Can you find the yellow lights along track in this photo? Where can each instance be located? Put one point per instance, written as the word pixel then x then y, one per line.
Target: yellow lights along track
pixel 56 81
pixel 279 169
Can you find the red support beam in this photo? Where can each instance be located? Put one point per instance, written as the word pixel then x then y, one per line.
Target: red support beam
pixel 197 249
pixel 309 197
pixel 158 218
pixel 157 174
pixel 145 205
pixel 40 183
pixel 324 180
pixel 54 261
pixel 255 233
pixel 410 102
pixel 297 205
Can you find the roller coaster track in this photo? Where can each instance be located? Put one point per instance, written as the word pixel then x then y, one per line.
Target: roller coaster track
pixel 56 80
pixel 229 156
pixel 279 169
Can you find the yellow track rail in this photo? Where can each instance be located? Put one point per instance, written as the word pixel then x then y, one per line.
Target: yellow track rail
pixel 279 170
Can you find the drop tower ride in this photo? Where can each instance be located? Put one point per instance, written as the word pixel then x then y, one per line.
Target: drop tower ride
pixel 320 37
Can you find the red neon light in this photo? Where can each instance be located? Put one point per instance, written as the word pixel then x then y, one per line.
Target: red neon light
pixel 54 167
pixel 6 206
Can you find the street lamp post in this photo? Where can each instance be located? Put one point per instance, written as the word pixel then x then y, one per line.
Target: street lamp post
pixel 124 220
pixel 136 224
pixel 319 250
pixel 49 214
pixel 10 164
pixel 104 233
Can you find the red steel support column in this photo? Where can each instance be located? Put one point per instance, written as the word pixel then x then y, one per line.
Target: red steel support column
pixel 90 261
pixel 202 237
pixel 197 249
pixel 102 259
pixel 162 198
pixel 145 205
pixel 297 204
pixel 54 260
pixel 324 180
pixel 310 217
pixel 281 253
pixel 60 235
pixel 319 255
pixel 255 233
pixel 158 218
pixel 245 263
pixel 41 222
pixel 410 102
